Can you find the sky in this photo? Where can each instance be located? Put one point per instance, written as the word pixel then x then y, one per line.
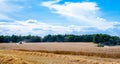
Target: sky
pixel 43 17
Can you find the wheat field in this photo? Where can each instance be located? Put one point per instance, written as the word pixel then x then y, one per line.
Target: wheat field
pixel 58 53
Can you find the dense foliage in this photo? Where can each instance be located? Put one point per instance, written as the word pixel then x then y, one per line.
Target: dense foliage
pixel 96 38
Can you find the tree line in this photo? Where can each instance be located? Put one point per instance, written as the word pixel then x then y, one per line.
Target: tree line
pixel 96 38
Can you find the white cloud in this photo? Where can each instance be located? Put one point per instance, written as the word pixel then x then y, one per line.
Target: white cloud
pixel 84 12
pixel 7 8
pixel 5 17
pixel 35 27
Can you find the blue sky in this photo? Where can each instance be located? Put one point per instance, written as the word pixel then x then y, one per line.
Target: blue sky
pixel 42 17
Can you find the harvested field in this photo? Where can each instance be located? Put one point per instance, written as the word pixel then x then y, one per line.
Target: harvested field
pixel 17 57
pixel 88 49
pixel 58 53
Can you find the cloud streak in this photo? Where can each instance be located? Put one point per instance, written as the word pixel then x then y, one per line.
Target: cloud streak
pixel 35 27
pixel 86 13
pixel 7 8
